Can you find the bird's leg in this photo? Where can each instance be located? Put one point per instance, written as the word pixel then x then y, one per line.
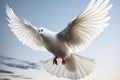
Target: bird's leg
pixel 64 61
pixel 55 61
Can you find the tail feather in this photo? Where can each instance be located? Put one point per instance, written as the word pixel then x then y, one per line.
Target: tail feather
pixel 77 67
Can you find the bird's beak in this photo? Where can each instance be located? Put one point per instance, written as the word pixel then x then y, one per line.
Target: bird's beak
pixel 37 34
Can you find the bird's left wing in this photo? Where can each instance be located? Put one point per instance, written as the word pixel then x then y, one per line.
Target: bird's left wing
pixel 24 31
pixel 83 29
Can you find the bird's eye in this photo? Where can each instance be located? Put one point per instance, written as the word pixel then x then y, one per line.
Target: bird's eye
pixel 41 30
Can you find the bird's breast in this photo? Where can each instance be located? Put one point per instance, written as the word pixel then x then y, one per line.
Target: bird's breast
pixel 56 47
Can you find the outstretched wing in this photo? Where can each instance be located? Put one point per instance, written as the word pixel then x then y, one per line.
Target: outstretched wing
pixel 83 29
pixel 24 31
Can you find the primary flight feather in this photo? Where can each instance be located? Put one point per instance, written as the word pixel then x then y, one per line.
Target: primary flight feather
pixel 78 35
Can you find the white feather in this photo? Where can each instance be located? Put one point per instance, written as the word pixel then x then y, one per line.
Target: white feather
pixel 83 29
pixel 24 31
pixel 77 67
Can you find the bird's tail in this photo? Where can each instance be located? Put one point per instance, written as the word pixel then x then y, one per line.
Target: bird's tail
pixel 75 68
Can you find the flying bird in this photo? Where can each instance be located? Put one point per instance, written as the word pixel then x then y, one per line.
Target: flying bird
pixel 78 35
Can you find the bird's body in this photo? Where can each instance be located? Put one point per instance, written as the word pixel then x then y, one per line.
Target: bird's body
pixel 78 35
pixel 54 45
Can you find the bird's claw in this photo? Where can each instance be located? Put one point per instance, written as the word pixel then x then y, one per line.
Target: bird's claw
pixel 55 61
pixel 63 61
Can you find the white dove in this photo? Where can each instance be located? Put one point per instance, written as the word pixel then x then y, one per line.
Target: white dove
pixel 78 34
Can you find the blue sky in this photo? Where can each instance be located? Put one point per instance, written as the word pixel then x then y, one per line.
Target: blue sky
pixel 54 15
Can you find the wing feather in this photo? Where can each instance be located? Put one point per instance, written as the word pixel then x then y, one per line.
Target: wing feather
pixel 83 29
pixel 24 31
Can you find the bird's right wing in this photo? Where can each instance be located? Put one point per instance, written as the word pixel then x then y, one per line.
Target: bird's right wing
pixel 24 31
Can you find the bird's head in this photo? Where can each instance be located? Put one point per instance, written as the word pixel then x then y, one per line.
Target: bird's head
pixel 42 31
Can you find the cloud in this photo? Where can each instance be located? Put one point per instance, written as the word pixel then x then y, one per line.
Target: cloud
pixel 16 63
pixel 5 71
pixel 4 79
pixel 20 76
pixel 9 77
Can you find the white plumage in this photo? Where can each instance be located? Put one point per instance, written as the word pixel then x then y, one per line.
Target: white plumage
pixel 78 35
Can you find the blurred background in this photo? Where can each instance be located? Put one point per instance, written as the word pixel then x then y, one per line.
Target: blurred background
pixel 19 62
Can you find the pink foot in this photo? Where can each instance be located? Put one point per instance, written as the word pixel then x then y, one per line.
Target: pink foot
pixel 55 61
pixel 63 61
